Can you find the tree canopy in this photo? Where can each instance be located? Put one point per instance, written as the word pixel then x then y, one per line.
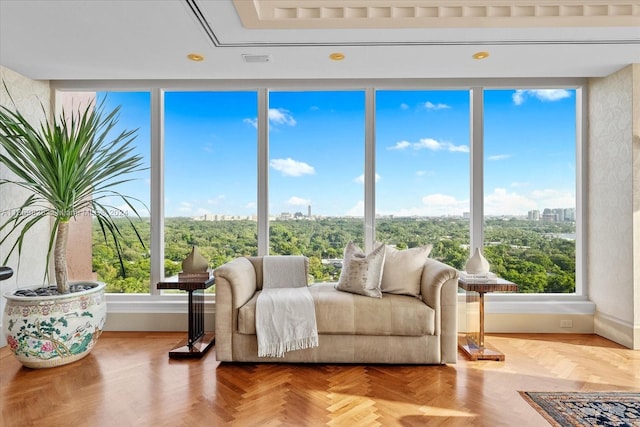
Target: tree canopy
pixel 532 254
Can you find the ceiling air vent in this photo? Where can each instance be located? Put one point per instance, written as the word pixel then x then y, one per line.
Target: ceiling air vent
pixel 256 58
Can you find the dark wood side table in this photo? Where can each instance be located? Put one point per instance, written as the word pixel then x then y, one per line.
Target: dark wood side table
pixel 198 341
pixel 475 349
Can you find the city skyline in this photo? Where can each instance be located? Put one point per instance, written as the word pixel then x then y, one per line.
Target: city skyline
pixel 562 214
pixel 316 153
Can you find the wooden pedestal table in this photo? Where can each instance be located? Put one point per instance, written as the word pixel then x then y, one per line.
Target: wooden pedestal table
pixel 475 349
pixel 198 341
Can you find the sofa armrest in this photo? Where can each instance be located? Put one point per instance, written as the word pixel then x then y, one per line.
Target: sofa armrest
pixel 235 285
pixel 439 289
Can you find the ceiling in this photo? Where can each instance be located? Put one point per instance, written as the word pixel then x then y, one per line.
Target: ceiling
pixel 150 39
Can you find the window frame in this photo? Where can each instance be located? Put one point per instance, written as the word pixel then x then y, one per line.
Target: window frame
pixel 475 87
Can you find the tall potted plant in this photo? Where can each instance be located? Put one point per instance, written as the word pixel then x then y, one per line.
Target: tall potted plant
pixel 69 165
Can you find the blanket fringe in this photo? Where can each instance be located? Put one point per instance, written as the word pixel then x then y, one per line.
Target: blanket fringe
pixel 278 349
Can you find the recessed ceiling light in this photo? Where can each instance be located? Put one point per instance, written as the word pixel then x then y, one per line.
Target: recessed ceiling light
pixel 480 55
pixel 195 57
pixel 336 56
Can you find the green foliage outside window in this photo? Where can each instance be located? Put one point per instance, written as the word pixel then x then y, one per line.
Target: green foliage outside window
pixel 532 254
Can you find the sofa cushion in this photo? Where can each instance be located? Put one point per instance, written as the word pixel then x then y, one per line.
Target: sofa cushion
pixel 257 265
pixel 348 314
pixel 361 274
pixel 284 271
pixel 403 270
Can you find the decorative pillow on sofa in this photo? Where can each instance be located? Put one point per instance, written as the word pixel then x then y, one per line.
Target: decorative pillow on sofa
pixel 402 270
pixel 362 274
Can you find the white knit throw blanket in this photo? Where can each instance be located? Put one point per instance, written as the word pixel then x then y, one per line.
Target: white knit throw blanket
pixel 285 314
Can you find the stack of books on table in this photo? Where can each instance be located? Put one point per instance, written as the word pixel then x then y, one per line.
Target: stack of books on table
pixel 479 278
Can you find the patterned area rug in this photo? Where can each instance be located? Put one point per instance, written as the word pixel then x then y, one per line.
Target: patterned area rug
pixel 564 409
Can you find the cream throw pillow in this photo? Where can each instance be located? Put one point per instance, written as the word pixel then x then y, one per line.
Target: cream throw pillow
pixel 402 270
pixel 362 274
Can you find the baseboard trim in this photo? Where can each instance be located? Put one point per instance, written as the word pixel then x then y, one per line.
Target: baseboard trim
pixel 617 330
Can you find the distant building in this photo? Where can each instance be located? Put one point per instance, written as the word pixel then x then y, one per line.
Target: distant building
pixel 220 217
pixel 559 214
pixel 533 215
pixel 570 214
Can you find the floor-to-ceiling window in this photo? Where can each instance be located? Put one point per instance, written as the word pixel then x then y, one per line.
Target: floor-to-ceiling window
pixel 530 187
pixel 134 114
pixel 422 171
pixel 210 154
pixel 316 176
pixel 316 162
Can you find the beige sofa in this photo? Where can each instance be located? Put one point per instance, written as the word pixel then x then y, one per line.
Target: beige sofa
pixel 352 328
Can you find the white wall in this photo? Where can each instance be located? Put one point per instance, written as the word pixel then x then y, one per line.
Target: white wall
pixel 28 96
pixel 613 206
pixel 636 203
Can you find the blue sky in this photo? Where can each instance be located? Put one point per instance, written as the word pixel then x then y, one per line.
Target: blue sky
pixel 316 153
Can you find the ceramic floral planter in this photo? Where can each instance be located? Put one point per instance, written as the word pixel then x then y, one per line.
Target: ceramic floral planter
pixel 48 331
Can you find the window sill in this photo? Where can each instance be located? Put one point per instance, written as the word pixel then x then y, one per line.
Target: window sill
pixel 503 303
pixel 145 303
pixel 494 303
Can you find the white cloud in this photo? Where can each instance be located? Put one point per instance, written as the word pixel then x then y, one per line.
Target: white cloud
pixel 518 97
pixel 550 198
pixel 437 204
pixel 432 144
pixel 502 202
pixel 431 106
pixel 298 201
pixel 404 106
pixel 277 116
pixel 499 202
pixel 280 116
pixel 357 210
pixel 544 95
pixel 250 205
pixel 290 167
pixel 499 157
pixel 360 179
pixel 252 122
pixel 519 184
pixel 429 144
pixel 425 173
pixel 400 145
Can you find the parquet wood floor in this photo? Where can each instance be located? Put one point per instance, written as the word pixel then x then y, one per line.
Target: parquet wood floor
pixel 129 380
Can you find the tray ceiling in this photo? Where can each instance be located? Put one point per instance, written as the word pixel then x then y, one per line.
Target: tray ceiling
pixel 150 39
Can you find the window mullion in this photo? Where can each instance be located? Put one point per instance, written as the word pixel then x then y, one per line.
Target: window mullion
pixel 263 171
pixel 370 169
pixel 157 188
pixel 476 168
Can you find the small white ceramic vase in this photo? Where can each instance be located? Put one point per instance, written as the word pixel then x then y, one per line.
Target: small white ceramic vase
pixel 477 263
